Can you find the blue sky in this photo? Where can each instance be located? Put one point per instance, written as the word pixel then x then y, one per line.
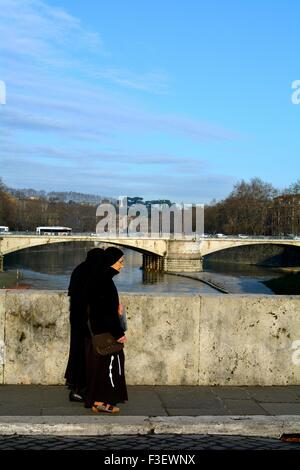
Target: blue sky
pixel 164 98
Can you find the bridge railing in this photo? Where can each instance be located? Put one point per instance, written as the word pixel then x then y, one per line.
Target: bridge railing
pixel 158 236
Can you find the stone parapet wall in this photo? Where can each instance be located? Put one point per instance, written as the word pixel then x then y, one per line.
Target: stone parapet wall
pixel 172 340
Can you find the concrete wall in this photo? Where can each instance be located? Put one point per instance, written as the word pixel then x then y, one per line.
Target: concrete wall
pixel 188 340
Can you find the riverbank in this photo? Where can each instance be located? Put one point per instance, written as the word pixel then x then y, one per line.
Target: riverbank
pixel 9 278
pixel 286 285
pixel 201 278
pixel 229 284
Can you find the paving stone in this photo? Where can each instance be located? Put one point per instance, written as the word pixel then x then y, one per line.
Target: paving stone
pixel 20 410
pixel 176 397
pixel 281 408
pixel 65 411
pixel 243 407
pixel 204 411
pixel 175 401
pixel 34 400
pixel 240 393
pixel 295 389
pixel 274 394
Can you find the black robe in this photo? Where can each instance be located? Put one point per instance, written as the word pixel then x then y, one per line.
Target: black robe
pixel 105 374
pixel 75 374
pixel 103 300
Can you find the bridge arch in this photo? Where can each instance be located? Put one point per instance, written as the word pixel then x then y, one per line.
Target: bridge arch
pixel 259 254
pixel 153 250
pixel 214 246
pixel 144 246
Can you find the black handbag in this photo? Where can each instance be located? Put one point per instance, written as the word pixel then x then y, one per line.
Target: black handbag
pixel 105 343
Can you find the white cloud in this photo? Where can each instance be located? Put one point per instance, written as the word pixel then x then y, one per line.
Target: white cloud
pixel 201 189
pixel 42 32
pixel 57 92
pixel 153 82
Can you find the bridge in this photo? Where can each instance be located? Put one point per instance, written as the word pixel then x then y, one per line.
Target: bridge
pixel 159 254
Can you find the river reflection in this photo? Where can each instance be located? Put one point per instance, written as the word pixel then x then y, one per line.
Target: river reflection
pixel 50 267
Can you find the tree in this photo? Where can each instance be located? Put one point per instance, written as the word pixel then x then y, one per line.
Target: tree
pixel 8 206
pixel 247 209
pixel 294 188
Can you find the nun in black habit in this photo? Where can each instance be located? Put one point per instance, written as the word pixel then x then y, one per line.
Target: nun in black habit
pixel 75 374
pixel 106 385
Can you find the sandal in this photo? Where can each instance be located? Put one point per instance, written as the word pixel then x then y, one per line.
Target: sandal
pixel 99 407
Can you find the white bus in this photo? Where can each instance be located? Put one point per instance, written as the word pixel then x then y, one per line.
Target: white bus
pixel 4 229
pixel 53 231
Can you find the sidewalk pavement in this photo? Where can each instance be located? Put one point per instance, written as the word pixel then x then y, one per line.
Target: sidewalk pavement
pixel 248 411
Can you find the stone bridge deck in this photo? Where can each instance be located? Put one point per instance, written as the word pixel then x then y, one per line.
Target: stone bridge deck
pixel 160 253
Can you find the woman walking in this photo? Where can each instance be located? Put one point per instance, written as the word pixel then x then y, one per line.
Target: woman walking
pixel 76 368
pixel 106 385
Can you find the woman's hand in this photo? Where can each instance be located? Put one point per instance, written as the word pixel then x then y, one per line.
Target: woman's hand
pixel 123 339
pixel 120 310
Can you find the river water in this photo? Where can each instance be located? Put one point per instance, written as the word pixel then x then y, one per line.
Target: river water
pixel 50 267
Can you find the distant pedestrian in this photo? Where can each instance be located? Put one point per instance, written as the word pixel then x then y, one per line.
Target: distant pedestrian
pixel 106 385
pixel 76 372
